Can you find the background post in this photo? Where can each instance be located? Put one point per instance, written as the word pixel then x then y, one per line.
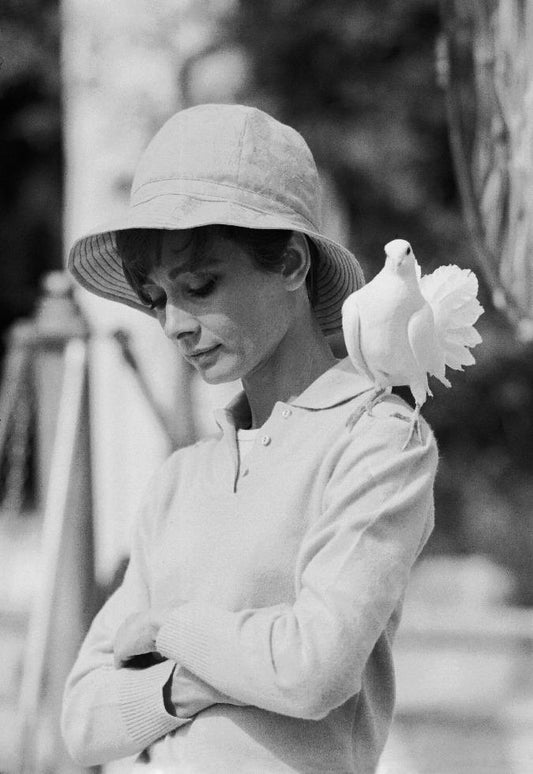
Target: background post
pixel 65 598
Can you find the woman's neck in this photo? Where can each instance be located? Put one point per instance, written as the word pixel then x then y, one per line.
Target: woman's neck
pixel 301 357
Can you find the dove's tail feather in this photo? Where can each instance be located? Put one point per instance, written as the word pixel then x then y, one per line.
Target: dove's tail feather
pixel 452 294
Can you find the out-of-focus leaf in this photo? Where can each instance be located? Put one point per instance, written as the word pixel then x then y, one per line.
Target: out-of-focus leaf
pixel 30 151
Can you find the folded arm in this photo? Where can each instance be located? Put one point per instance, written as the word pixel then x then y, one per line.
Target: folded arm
pixel 109 712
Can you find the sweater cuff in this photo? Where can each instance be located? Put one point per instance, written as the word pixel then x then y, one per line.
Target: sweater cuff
pixel 141 702
pixel 192 633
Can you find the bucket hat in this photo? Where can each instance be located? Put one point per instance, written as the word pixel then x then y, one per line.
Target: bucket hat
pixel 222 164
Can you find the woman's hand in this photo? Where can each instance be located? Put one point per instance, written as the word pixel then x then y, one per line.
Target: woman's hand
pixel 136 636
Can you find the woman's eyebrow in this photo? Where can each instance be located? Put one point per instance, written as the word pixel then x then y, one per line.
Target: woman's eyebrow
pixel 193 265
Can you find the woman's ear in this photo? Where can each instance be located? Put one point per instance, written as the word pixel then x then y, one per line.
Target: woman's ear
pixel 296 261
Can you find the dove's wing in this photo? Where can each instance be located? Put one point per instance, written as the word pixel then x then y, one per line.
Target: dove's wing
pixel 351 328
pixel 420 333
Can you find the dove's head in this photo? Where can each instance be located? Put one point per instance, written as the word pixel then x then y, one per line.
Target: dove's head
pixel 400 257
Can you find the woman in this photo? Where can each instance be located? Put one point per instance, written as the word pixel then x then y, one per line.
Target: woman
pixel 253 629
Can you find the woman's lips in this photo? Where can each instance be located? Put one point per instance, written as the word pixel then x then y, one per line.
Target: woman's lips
pixel 201 353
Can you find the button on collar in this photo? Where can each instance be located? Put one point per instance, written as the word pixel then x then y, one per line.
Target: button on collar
pixel 265 440
pixel 286 413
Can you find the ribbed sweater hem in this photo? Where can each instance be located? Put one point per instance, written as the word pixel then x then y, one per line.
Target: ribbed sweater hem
pixel 141 702
pixel 188 635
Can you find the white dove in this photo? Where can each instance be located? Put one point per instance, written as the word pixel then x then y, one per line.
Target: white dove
pixel 400 327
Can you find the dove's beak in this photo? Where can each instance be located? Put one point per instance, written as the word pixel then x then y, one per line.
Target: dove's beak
pixel 395 260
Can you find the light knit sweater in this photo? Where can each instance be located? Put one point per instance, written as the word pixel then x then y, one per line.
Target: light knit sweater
pixel 285 579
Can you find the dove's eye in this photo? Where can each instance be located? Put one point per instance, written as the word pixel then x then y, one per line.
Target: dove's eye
pixel 407 252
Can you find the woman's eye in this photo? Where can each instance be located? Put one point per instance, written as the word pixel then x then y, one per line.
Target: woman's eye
pixel 203 288
pixel 152 300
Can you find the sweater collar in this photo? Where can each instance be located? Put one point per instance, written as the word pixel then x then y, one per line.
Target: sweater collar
pixel 337 385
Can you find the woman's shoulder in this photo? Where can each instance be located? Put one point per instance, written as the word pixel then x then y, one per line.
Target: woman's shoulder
pixel 190 454
pixel 169 476
pixel 392 424
pixel 181 461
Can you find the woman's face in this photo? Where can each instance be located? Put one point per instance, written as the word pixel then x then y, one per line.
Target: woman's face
pixel 226 316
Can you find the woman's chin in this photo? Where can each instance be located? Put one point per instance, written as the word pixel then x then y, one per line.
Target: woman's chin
pixel 219 373
pixel 211 378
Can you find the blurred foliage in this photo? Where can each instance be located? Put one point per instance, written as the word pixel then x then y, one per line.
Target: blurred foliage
pixel 358 79
pixel 484 426
pixel 30 152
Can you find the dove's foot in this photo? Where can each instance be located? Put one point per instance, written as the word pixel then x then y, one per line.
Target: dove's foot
pixel 414 428
pixel 366 408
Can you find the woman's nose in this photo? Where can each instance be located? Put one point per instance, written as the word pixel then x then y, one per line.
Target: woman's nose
pixel 179 323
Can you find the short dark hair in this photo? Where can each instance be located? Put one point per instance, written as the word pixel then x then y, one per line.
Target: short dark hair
pixel 266 248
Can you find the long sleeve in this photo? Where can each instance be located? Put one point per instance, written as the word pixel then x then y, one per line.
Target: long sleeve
pixel 306 658
pixel 111 713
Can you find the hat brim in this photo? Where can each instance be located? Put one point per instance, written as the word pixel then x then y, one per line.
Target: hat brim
pixel 95 263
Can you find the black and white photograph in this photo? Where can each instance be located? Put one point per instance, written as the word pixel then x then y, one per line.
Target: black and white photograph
pixel 266 387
